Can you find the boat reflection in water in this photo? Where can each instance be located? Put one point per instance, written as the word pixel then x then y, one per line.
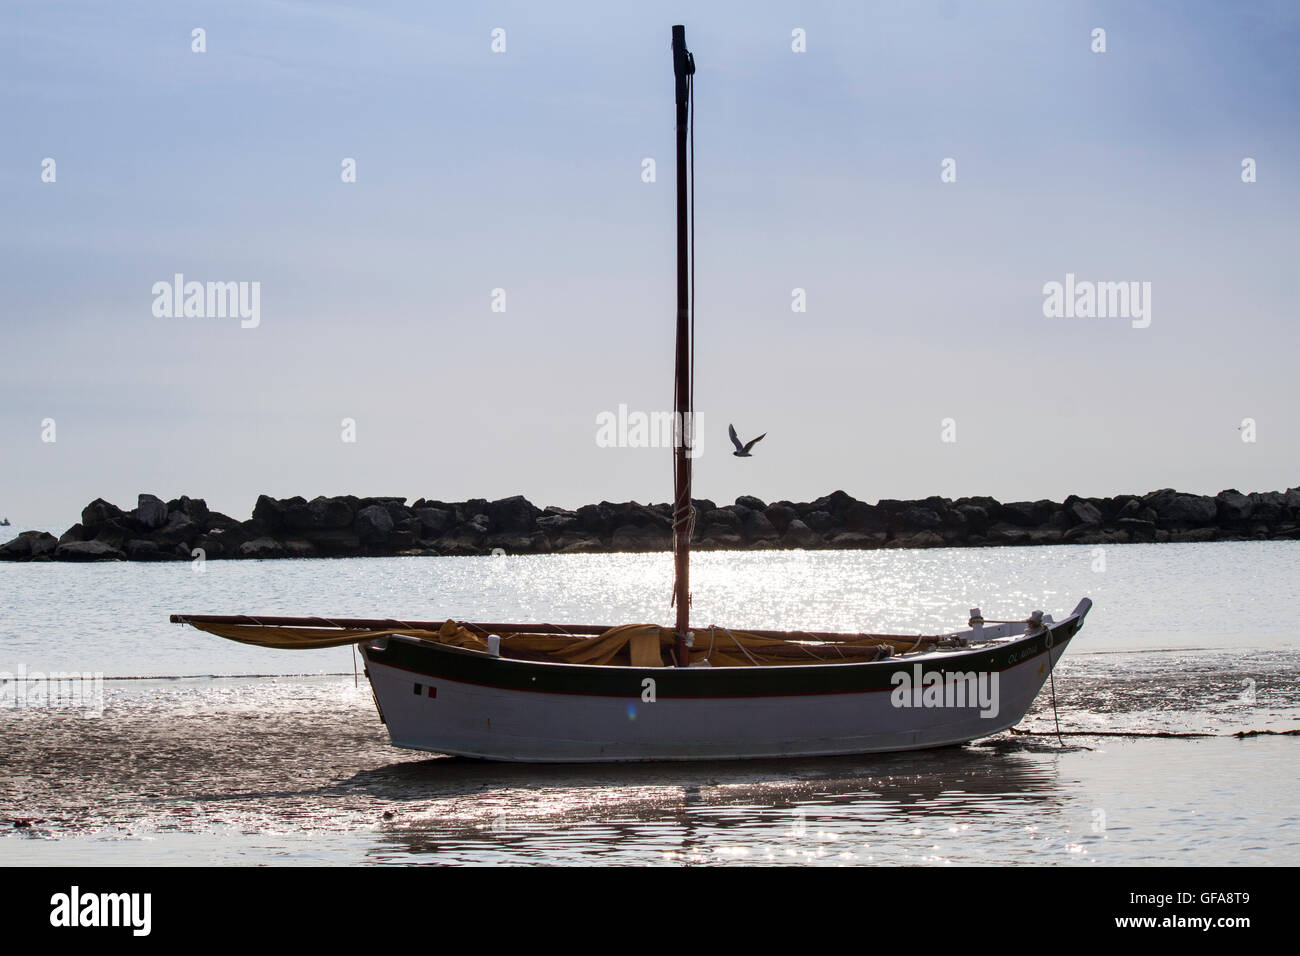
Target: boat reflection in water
pixel 978 802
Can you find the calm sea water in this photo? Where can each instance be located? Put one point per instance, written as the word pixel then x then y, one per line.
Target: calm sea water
pixel 208 751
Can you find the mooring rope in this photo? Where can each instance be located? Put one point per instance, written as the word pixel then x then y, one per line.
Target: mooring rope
pixel 1051 673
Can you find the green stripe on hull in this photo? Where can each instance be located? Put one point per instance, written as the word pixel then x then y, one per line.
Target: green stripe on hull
pixel 432 660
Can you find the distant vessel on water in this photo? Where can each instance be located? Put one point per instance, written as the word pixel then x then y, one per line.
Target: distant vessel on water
pixel 4 522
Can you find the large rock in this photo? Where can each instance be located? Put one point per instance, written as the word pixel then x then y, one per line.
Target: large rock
pixel 578 544
pixel 434 521
pixel 1045 536
pixel 1004 532
pixel 919 539
pixel 516 513
pixel 151 511
pixel 29 545
pixel 332 513
pixel 211 545
pixel 954 521
pixel 75 533
pixel 88 551
pixel 596 520
pixel 799 535
pixel 820 521
pixel 1269 507
pixel 216 521
pixel 1138 530
pixel 782 516
pixel 976 516
pixel 859 540
pixel 1187 510
pixel 836 503
pixel 655 516
pixel 397 541
pixel 230 539
pixel 396 507
pixel 1158 499
pixel 718 538
pixel 1021 514
pixel 725 520
pixel 296 514
pixel 756 527
pixel 1095 535
pixel 196 509
pixel 267 513
pixel 1233 506
pixel 860 516
pixel 467 509
pixel 335 542
pixel 263 547
pixel 116 531
pixel 373 524
pixel 179 528
pixel 518 542
pixel 466 538
pixel 917 517
pixel 1083 512
pixel 1062 519
pixel 557 524
pixel 634 513
pixel 144 549
pixel 43 543
pixel 955 533
pixel 97 513
pixel 298 548
pixel 634 538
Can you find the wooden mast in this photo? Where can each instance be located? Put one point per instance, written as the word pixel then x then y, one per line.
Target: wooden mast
pixel 683 67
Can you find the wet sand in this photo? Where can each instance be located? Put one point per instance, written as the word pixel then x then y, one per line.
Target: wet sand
pixel 265 770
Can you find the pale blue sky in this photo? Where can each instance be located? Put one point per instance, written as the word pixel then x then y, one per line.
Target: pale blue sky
pixel 522 171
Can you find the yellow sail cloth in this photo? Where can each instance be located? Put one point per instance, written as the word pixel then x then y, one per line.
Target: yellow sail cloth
pixel 297 638
pixel 636 645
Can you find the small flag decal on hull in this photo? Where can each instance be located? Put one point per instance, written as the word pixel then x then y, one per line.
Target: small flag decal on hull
pixel 418 689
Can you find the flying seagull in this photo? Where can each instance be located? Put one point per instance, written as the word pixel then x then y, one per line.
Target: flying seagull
pixel 742 451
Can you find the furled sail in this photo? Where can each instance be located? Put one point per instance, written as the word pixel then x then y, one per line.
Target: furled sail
pixel 635 645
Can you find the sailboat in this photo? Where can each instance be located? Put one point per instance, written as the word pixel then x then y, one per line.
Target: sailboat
pixel 635 692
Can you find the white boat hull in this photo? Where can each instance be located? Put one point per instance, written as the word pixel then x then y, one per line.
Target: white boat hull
pixel 437 699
